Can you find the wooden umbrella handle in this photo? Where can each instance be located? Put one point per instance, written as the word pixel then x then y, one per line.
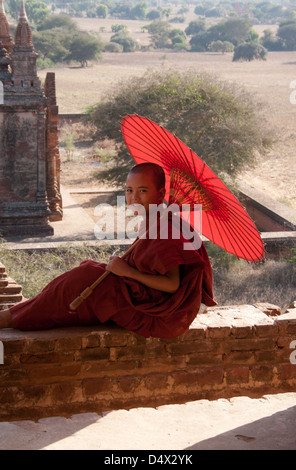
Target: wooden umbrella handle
pixel 88 291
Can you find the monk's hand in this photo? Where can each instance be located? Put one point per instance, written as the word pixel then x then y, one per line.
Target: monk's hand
pixel 118 266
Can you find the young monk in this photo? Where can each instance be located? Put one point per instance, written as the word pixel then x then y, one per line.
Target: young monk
pixel 157 290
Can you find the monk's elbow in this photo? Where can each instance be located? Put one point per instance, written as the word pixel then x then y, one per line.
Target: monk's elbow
pixel 174 286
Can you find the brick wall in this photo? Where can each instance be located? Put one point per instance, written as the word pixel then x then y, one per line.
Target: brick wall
pixel 228 351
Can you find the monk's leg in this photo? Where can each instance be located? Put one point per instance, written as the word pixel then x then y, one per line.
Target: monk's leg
pixel 5 318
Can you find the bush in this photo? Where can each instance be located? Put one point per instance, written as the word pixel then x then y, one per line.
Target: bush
pixel 218 121
pixel 221 46
pixel 126 41
pixel 248 52
pixel 113 47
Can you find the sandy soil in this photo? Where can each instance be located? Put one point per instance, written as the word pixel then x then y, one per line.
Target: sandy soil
pixel 268 81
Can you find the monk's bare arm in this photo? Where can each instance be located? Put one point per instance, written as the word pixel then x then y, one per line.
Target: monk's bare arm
pixel 168 282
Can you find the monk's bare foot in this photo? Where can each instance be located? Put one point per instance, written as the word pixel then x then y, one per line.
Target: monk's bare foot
pixel 5 319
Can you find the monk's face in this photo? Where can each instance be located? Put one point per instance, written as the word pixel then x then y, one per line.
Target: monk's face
pixel 141 189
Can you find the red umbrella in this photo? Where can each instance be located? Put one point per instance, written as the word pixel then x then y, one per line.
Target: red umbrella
pixel 190 181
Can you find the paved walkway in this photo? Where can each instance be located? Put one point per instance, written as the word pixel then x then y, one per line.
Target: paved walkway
pixel 239 423
pixel 76 227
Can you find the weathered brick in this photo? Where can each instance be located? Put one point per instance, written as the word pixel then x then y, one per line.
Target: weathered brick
pixel 94 354
pixel 287 371
pixel 68 343
pixel 253 344
pixel 97 386
pixel 188 347
pixel 203 358
pixel 91 341
pixel 263 373
pixel 199 377
pixel 128 384
pixel 237 374
pixel 239 357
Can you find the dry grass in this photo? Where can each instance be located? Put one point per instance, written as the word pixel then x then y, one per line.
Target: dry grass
pixel 242 283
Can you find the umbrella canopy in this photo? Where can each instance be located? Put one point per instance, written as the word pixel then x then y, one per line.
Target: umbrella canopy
pixel 190 181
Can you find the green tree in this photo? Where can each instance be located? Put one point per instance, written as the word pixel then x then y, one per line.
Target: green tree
pixel 270 42
pixel 234 30
pixel 248 52
pixel 195 27
pixel 287 35
pixel 124 38
pixel 58 21
pixel 36 10
pixel 199 9
pixel 221 46
pixel 221 124
pixel 153 15
pixel 178 39
pixel 84 47
pixel 139 11
pixel 115 28
pixel 159 32
pixel 102 11
pixel 52 44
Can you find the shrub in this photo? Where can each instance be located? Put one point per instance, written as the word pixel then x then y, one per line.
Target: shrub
pixel 113 47
pixel 248 52
pixel 217 120
pixel 126 41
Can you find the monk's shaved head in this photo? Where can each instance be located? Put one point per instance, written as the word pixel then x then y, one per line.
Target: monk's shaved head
pixel 155 170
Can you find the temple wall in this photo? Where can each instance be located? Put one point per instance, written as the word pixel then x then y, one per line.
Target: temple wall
pixel 19 155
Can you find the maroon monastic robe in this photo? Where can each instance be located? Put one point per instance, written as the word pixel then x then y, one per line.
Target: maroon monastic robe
pixel 128 303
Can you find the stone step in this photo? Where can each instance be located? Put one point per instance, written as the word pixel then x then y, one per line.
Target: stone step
pixel 10 289
pixel 10 298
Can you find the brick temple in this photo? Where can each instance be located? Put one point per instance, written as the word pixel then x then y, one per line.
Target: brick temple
pixel 29 154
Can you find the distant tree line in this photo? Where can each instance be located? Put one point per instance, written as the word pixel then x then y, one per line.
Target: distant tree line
pixel 58 39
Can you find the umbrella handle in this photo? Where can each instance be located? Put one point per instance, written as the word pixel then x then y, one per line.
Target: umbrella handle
pixel 88 290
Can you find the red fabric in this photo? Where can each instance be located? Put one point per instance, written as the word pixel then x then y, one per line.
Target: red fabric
pixel 124 301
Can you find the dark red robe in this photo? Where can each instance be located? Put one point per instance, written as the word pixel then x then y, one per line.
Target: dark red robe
pixel 128 303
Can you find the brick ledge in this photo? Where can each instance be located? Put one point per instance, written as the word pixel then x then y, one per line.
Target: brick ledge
pixel 229 351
